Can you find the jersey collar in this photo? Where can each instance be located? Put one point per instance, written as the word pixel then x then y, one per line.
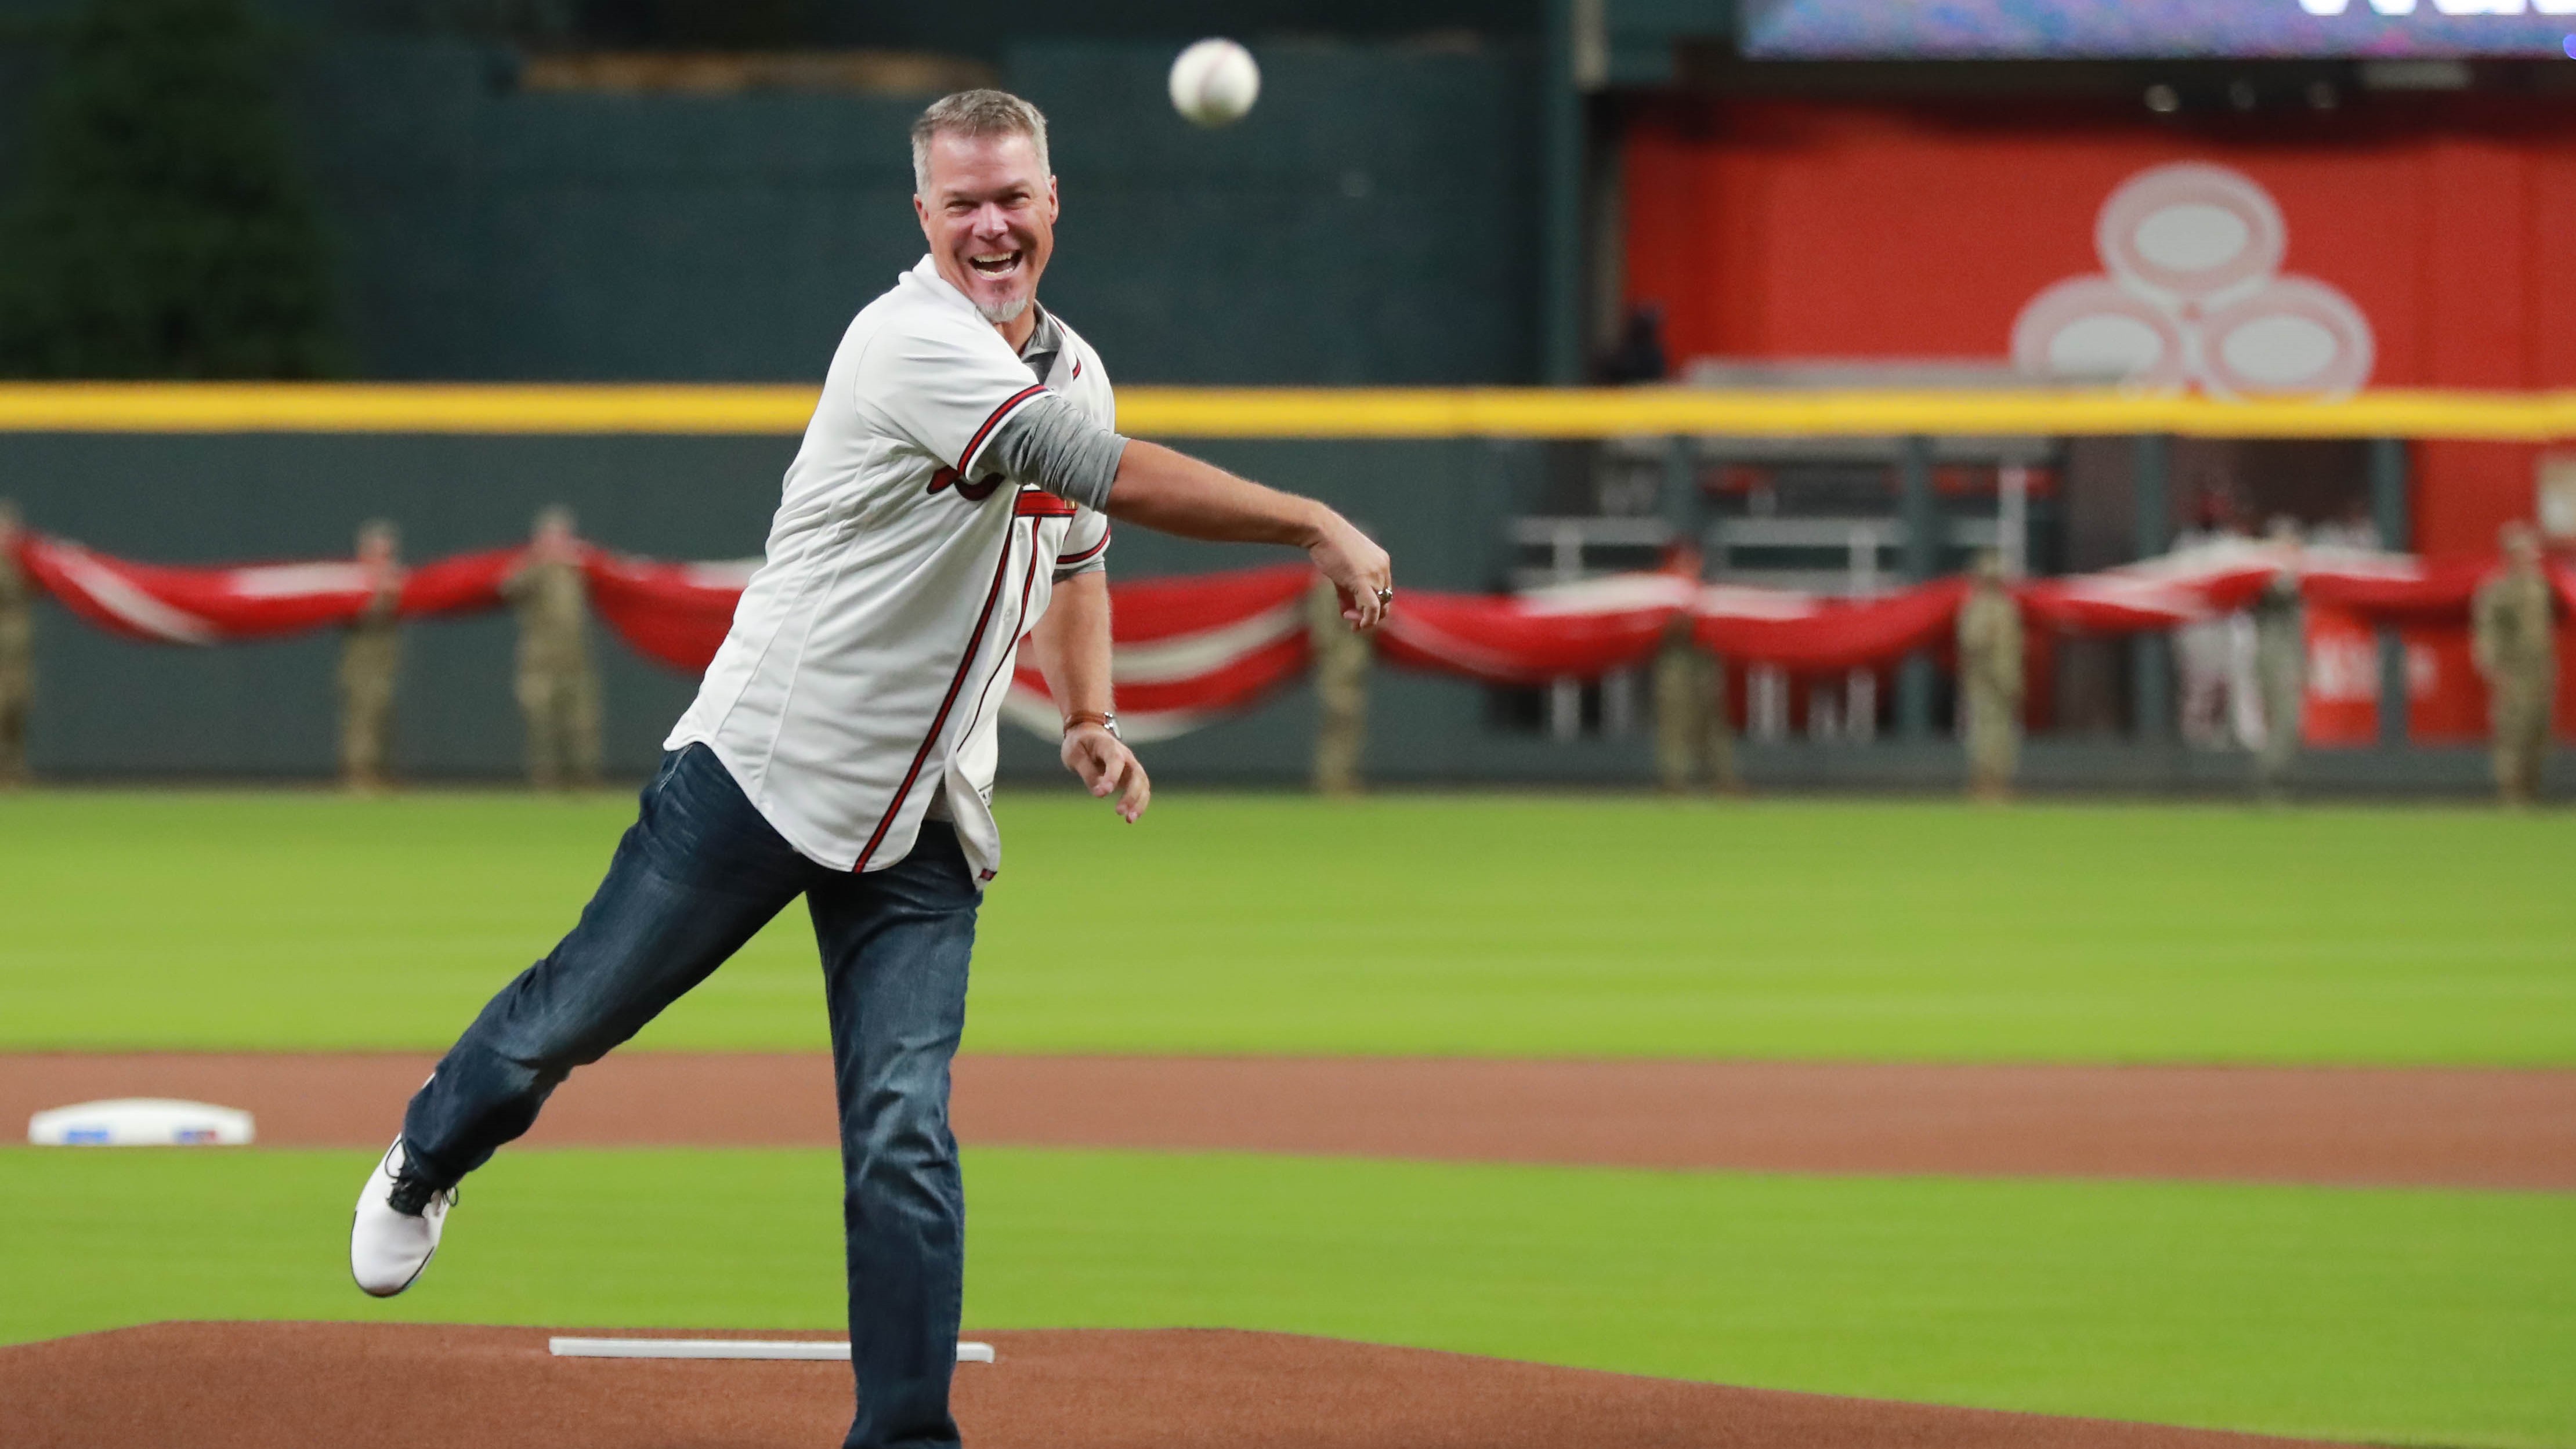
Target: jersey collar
pixel 926 272
pixel 1046 346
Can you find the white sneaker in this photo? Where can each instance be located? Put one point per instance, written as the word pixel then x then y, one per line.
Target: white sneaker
pixel 396 1227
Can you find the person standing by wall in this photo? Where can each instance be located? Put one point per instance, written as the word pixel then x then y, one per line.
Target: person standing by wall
pixel 2516 646
pixel 17 651
pixel 1990 680
pixel 2280 664
pixel 2222 704
pixel 370 658
pixel 1341 691
pixel 1693 743
pixel 558 686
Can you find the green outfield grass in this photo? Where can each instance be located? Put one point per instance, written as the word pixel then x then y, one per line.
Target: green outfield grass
pixel 1475 925
pixel 2435 1318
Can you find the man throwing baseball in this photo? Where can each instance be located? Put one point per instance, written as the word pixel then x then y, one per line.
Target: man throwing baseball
pixel 953 494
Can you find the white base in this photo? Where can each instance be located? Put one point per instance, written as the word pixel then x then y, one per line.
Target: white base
pixel 729 1348
pixel 140 1122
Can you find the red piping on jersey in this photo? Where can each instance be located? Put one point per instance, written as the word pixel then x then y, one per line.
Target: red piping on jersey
pixel 976 442
pixel 1088 554
pixel 1038 503
pixel 992 596
pixel 1028 582
pixel 975 492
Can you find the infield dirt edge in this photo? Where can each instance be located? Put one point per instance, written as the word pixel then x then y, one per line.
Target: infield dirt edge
pixel 238 1385
pixel 2444 1127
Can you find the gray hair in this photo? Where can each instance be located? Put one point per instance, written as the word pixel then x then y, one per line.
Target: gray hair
pixel 976 113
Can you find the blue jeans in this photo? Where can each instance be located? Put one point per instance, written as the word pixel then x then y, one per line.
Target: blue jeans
pixel 697 874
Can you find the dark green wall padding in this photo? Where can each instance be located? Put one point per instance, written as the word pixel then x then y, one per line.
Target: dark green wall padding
pixel 1368 223
pixel 1372 220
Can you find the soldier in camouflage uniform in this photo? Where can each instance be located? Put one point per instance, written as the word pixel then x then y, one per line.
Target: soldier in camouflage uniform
pixel 2517 650
pixel 557 686
pixel 2280 664
pixel 1341 692
pixel 370 659
pixel 17 651
pixel 1693 743
pixel 1990 682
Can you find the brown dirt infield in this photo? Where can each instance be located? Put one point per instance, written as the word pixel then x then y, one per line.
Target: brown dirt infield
pixel 386 1386
pixel 2463 1128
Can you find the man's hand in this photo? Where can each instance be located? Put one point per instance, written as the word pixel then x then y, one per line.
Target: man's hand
pixel 1359 569
pixel 1105 766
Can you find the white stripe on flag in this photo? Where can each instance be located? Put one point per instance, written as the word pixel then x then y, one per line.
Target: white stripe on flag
pixel 140 611
pixel 1188 656
pixel 1037 714
pixel 291 581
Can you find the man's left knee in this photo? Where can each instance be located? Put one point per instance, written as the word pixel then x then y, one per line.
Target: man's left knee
pixel 902 1126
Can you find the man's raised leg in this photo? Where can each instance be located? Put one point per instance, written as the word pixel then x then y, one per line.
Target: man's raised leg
pixel 696 875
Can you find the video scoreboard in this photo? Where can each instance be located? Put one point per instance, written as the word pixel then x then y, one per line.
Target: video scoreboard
pixel 2120 29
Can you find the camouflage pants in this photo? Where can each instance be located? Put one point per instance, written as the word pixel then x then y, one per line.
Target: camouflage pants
pixel 1990 727
pixel 366 734
pixel 1692 742
pixel 13 730
pixel 2284 704
pixel 1341 693
pixel 562 712
pixel 2521 739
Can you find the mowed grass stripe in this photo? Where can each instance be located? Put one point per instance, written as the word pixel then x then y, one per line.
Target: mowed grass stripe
pixel 2387 1316
pixel 1476 925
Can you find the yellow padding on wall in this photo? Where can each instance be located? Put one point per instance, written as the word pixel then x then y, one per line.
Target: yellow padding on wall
pixel 1182 412
pixel 1615 412
pixel 398 408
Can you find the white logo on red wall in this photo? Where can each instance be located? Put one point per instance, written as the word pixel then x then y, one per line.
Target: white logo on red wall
pixel 2193 296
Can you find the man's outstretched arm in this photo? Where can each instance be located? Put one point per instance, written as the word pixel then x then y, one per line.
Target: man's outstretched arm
pixel 1174 493
pixel 1056 446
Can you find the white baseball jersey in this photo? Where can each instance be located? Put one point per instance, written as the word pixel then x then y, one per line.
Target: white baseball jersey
pixel 864 672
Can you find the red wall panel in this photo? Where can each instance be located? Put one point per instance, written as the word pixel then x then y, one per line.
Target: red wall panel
pixel 1775 230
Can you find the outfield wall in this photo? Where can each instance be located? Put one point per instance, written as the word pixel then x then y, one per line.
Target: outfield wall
pixel 215 474
pixel 109 707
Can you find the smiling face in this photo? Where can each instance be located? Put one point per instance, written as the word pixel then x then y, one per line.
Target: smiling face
pixel 988 211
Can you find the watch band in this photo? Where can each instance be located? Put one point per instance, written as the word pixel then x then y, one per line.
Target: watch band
pixel 1108 722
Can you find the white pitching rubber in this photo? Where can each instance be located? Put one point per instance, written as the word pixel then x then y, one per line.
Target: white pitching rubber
pixel 755 1348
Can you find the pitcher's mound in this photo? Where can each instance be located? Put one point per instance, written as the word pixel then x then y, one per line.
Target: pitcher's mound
pixel 265 1385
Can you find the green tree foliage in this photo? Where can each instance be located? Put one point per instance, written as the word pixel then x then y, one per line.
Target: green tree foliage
pixel 164 228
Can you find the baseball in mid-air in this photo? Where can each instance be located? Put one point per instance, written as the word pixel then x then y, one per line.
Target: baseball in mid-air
pixel 1214 82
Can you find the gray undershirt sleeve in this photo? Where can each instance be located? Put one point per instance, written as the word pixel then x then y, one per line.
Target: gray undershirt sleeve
pixel 1054 444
